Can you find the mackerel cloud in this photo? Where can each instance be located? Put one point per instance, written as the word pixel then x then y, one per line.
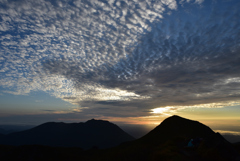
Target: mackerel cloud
pixel 128 55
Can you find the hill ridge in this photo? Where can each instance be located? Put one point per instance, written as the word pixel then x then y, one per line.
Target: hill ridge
pixel 93 133
pixel 168 141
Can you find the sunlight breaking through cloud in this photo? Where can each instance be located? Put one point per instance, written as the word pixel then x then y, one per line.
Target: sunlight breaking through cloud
pixel 164 110
pixel 173 110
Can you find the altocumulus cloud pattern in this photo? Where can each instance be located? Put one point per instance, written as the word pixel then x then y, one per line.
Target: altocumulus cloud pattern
pixel 134 54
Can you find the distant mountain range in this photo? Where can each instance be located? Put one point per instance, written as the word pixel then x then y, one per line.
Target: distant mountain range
pixel 7 129
pixel 168 141
pixel 93 133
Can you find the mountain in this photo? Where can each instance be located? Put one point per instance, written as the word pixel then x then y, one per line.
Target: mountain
pixel 176 126
pixel 177 131
pixel 93 133
pixel 168 141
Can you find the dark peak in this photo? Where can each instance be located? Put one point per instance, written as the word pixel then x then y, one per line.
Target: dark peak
pixel 176 116
pixel 102 134
pixel 176 126
pixel 102 124
pixel 177 119
pixel 97 121
pixel 92 120
pixel 63 124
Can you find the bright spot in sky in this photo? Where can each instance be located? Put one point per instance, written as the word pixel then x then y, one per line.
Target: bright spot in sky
pixel 170 109
pixel 163 110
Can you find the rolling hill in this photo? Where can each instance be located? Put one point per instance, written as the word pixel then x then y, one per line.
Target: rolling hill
pixel 93 133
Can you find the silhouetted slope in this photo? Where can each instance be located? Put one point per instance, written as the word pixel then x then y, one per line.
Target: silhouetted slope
pixel 176 126
pixel 237 147
pixel 93 133
pixel 169 141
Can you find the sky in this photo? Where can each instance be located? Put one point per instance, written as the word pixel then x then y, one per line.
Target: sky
pixel 126 61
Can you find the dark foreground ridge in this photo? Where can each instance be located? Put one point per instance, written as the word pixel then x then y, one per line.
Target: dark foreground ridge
pixel 168 141
pixel 93 133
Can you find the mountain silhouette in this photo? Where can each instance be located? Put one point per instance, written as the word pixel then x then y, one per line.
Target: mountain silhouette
pixel 168 141
pixel 178 131
pixel 93 133
pixel 176 126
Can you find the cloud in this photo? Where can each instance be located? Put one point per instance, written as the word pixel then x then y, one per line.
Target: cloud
pixel 192 1
pixel 171 110
pixel 177 62
pixel 91 32
pixel 224 132
pixel 126 56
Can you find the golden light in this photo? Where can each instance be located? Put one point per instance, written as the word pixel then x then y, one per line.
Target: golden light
pixel 163 110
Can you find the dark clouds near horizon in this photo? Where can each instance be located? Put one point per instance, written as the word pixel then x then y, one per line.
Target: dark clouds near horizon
pixel 186 55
